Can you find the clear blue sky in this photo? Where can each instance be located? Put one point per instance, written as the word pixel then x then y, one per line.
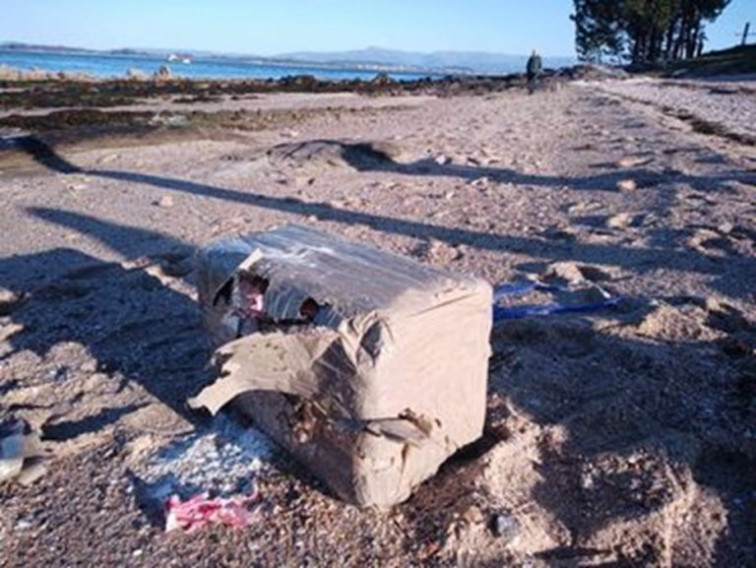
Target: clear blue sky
pixel 276 26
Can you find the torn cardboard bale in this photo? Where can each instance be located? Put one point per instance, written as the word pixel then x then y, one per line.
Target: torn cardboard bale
pixel 369 368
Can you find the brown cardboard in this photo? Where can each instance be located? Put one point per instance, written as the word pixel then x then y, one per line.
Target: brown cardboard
pixel 385 382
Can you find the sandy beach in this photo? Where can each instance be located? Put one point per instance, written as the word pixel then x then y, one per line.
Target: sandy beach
pixel 625 437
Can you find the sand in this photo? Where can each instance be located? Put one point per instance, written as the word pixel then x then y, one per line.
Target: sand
pixel 621 438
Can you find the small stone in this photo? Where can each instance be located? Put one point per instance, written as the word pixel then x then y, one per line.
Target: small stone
pixel 166 202
pixel 505 526
pixel 725 228
pixel 442 160
pixel 480 182
pixel 627 185
pixel 473 515
pixel 137 553
pixel 632 162
pixel 619 221
pixel 566 271
pixel 449 195
pixel 23 524
pixel 302 181
pixel 8 301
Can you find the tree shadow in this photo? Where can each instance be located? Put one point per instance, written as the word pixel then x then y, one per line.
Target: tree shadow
pixel 377 157
pixel 135 326
pixel 731 273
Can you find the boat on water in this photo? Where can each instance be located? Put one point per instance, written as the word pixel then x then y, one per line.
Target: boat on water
pixel 173 57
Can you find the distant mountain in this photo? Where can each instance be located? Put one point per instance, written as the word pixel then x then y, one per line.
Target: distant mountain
pixel 17 45
pixel 478 61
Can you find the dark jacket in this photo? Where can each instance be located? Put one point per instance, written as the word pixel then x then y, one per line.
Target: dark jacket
pixel 534 66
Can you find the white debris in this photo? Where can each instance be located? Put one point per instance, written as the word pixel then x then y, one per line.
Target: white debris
pixel 225 459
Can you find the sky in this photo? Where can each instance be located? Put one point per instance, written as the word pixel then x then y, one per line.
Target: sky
pixel 271 27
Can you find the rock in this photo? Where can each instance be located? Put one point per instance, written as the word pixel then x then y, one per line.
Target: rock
pixel 302 181
pixel 632 162
pixel 382 79
pixel 442 160
pixel 726 228
pixel 567 271
pixel 505 526
pixel 163 73
pixel 136 74
pixel 480 182
pixel 619 221
pixel 627 185
pixel 166 202
pixel 473 515
pixel 8 301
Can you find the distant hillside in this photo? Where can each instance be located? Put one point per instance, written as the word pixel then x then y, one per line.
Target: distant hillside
pixel 478 61
pixel 17 45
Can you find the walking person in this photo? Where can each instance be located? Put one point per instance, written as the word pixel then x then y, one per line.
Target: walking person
pixel 534 68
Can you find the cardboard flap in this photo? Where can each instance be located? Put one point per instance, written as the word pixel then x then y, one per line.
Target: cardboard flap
pixel 278 361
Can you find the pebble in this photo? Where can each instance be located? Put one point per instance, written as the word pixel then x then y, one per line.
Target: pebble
pixel 8 300
pixel 619 221
pixel 442 160
pixel 166 202
pixel 23 524
pixel 725 228
pixel 505 526
pixel 631 162
pixel 627 185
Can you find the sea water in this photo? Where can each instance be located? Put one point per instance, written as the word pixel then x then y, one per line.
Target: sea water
pixel 110 66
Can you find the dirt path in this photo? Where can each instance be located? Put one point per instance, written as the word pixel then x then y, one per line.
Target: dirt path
pixel 622 438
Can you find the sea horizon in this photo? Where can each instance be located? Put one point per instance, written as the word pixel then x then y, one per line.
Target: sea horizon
pixel 115 65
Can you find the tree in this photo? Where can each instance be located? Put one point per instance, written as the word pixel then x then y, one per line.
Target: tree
pixel 642 31
pixel 597 29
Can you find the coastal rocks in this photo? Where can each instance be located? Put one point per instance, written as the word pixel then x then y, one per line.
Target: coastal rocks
pixel 134 74
pixel 382 79
pixel 164 72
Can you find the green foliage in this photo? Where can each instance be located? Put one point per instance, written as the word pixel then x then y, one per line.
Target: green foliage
pixel 642 31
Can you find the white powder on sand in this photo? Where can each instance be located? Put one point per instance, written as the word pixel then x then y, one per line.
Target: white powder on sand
pixel 224 459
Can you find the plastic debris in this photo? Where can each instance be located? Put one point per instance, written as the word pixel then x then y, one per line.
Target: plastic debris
pixel 224 459
pixel 202 510
pixel 505 292
pixel 20 453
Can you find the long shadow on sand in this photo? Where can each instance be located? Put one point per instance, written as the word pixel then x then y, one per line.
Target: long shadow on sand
pixel 134 326
pixel 732 273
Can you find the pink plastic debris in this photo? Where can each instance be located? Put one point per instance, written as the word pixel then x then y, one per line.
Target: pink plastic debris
pixel 252 291
pixel 201 510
